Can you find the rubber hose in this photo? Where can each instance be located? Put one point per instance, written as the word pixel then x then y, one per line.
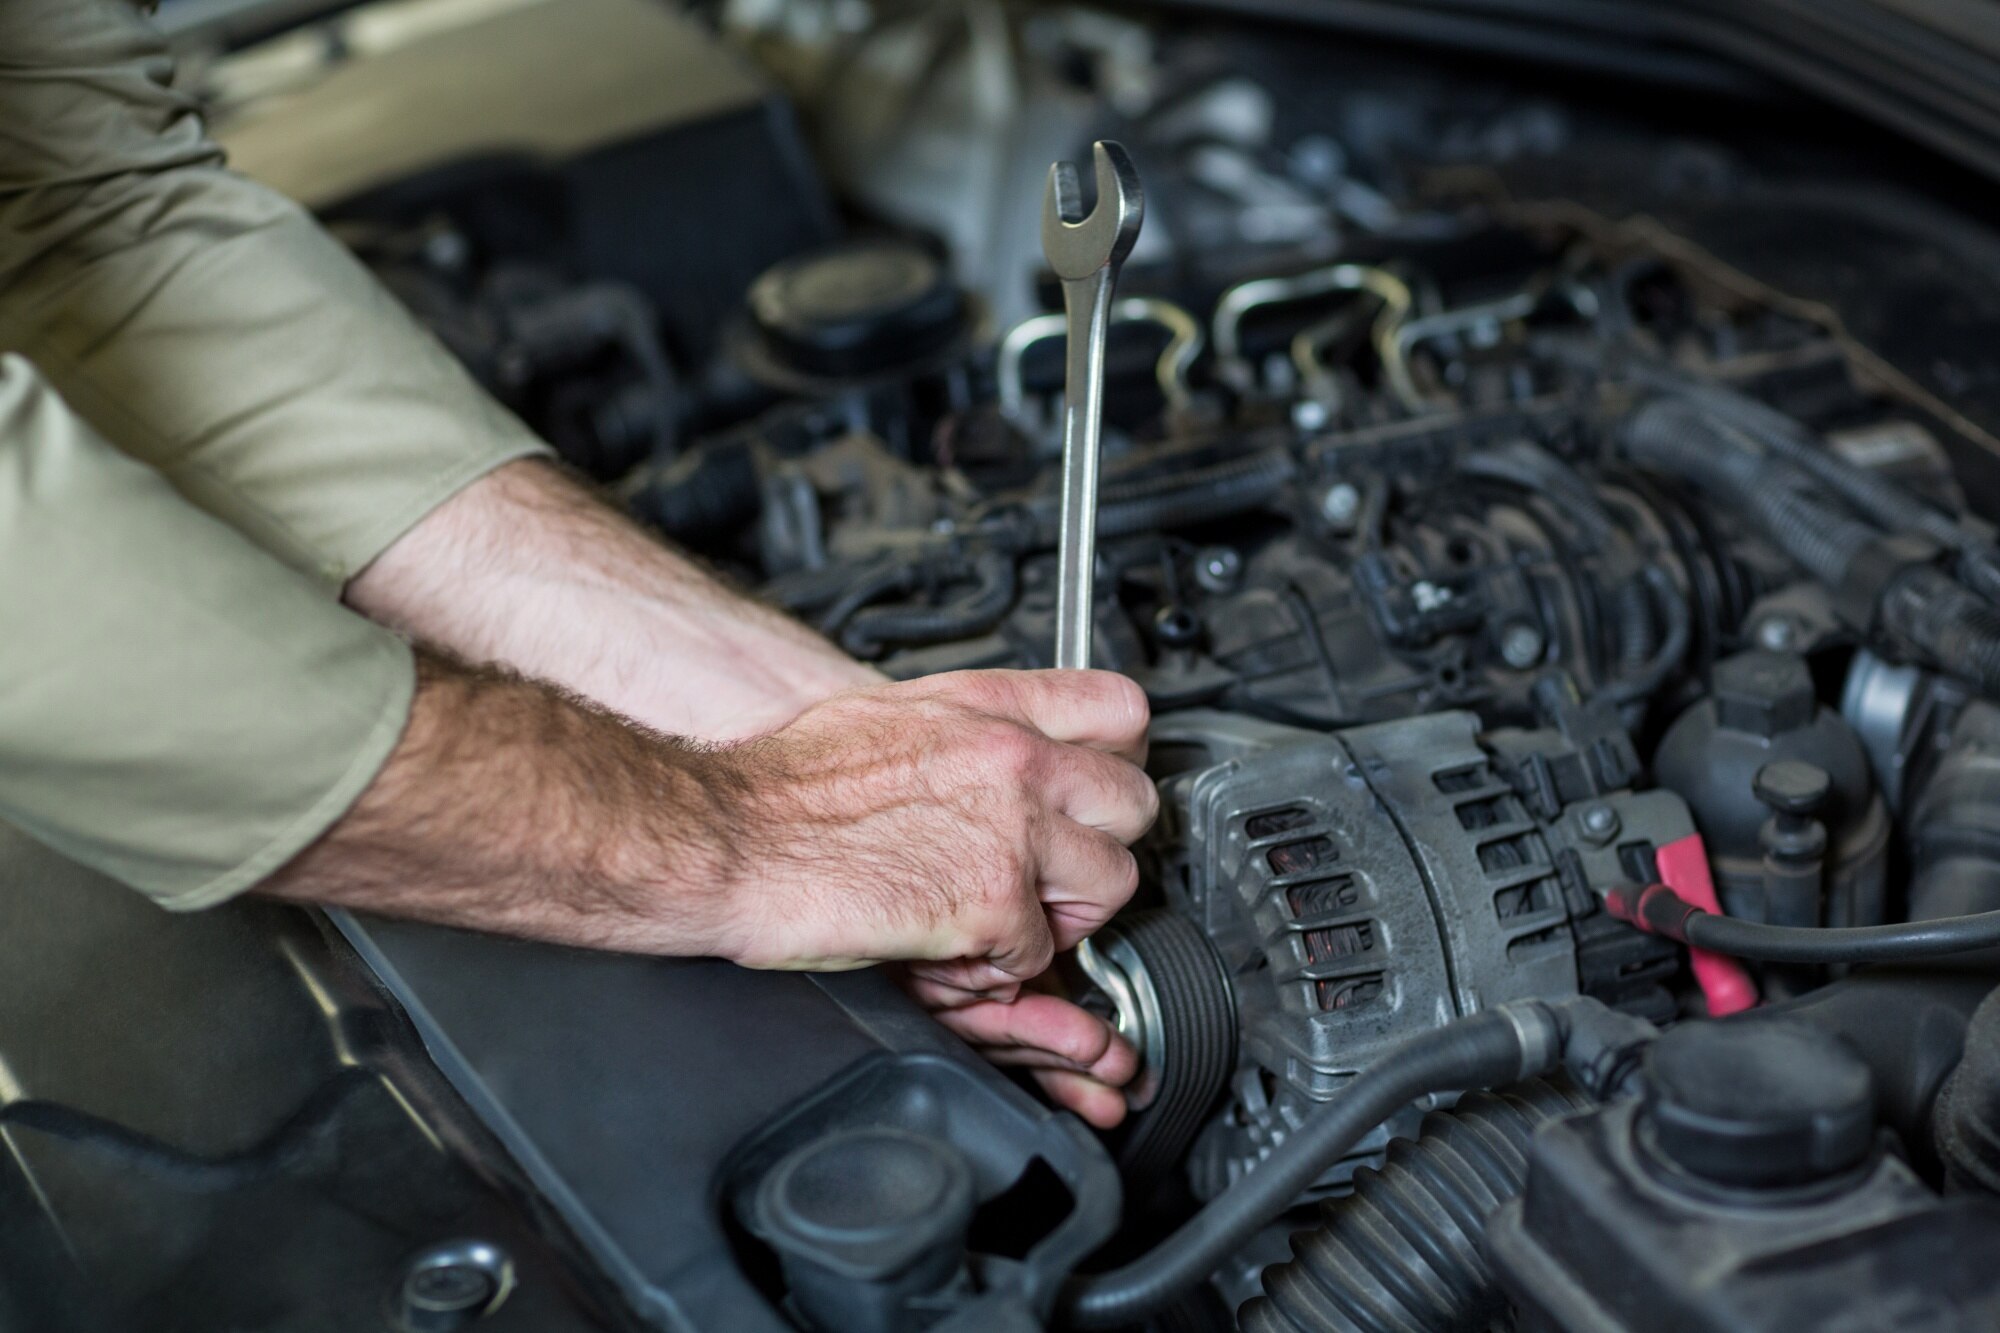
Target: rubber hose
pixel 703 496
pixel 1672 649
pixel 1481 1050
pixel 1954 628
pixel 1638 639
pixel 1894 508
pixel 1674 438
pixel 1401 1254
pixel 872 631
pixel 896 576
pixel 1198 496
pixel 1533 468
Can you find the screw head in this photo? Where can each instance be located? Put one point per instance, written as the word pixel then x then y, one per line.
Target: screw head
pixel 1309 414
pixel 1341 504
pixel 452 1286
pixel 1521 645
pixel 1778 633
pixel 1217 568
pixel 1599 821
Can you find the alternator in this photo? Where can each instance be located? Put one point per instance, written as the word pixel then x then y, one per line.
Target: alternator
pixel 1370 883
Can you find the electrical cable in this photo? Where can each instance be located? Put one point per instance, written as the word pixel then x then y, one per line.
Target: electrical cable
pixel 1658 910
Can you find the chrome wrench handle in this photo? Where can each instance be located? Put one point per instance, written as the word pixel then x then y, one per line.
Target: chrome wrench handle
pixel 1085 253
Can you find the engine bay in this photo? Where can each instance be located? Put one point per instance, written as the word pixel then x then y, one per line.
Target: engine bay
pixel 1507 519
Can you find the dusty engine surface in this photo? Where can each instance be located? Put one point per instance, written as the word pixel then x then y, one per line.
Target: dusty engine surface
pixel 1486 562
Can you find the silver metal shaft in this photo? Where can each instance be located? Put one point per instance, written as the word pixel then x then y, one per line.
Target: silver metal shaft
pixel 1087 305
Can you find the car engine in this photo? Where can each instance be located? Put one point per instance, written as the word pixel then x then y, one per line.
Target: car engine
pixel 1531 555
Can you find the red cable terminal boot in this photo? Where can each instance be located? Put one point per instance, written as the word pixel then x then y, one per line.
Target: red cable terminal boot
pixel 1685 878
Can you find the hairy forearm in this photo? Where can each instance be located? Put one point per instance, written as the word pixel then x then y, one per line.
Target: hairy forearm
pixel 509 806
pixel 526 568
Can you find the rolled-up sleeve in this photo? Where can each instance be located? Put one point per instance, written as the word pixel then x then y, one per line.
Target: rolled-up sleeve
pixel 177 709
pixel 205 324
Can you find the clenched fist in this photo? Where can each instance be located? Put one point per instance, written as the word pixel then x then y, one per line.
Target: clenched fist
pixel 975 822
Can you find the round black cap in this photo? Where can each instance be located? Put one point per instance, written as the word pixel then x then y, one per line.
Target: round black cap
pixel 1792 786
pixel 1759 1102
pixel 858 308
pixel 866 1203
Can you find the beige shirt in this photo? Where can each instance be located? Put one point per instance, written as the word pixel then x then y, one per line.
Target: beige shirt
pixel 211 417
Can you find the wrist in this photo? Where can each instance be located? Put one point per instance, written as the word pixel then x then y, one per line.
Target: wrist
pixel 674 860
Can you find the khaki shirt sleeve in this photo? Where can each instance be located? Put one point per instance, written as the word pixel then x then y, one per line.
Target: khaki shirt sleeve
pixel 205 324
pixel 177 709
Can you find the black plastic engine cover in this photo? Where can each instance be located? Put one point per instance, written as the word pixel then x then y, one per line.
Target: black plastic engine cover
pixel 637 1097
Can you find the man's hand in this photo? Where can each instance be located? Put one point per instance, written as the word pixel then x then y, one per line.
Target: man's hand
pixel 974 822
pixel 977 822
pixel 526 569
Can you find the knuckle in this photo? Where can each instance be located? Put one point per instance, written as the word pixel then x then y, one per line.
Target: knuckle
pixel 1007 869
pixel 1013 750
pixel 1034 948
pixel 986 691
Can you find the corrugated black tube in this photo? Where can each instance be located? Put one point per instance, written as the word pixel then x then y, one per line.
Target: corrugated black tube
pixel 1401 1253
pixel 1675 438
pixel 1479 1051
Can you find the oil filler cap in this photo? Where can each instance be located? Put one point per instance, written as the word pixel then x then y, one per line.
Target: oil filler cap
pixel 1759 1102
pixel 854 310
pixel 867 1204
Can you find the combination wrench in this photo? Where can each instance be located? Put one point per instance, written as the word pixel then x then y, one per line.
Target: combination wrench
pixel 1085 253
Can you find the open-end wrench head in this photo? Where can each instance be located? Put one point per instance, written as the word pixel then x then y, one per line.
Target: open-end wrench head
pixel 1077 246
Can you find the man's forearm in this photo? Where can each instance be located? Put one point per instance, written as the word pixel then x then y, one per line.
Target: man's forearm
pixel 509 806
pixel 526 568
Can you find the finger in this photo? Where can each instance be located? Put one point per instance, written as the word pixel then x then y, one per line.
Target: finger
pixel 963 981
pixel 1101 1106
pixel 1086 877
pixel 935 993
pixel 1103 792
pixel 1099 709
pixel 1026 947
pixel 1048 1025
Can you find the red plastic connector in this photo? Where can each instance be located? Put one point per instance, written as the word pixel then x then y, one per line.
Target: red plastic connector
pixel 1684 869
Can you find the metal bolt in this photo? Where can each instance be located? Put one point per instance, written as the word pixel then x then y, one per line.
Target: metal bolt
pixel 1521 645
pixel 1777 633
pixel 1309 414
pixel 1341 504
pixel 1599 821
pixel 1217 568
pixel 446 250
pixel 452 1286
pixel 1429 596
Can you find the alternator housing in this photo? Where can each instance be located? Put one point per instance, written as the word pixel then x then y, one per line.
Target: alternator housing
pixel 1374 882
